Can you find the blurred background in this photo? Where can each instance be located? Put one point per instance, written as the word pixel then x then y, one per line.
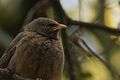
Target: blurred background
pixel 91 53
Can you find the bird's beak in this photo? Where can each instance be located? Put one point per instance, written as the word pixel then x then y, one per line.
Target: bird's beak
pixel 62 26
pixel 59 27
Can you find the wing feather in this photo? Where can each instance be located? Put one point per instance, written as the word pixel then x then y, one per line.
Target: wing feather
pixel 4 60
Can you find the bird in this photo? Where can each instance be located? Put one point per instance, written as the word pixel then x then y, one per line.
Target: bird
pixel 37 52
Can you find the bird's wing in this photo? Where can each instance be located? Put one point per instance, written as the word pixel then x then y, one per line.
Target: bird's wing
pixel 4 60
pixel 25 59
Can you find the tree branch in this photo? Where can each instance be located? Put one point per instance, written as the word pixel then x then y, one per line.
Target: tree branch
pixel 105 62
pixel 96 26
pixel 68 21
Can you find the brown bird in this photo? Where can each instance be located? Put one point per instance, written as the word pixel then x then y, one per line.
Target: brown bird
pixel 36 52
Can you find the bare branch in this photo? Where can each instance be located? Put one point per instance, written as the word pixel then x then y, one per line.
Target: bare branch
pixel 96 26
pixel 104 61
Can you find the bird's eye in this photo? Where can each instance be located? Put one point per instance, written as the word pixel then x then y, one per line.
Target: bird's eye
pixel 52 25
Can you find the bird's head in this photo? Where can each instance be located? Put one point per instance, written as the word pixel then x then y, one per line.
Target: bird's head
pixel 46 27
